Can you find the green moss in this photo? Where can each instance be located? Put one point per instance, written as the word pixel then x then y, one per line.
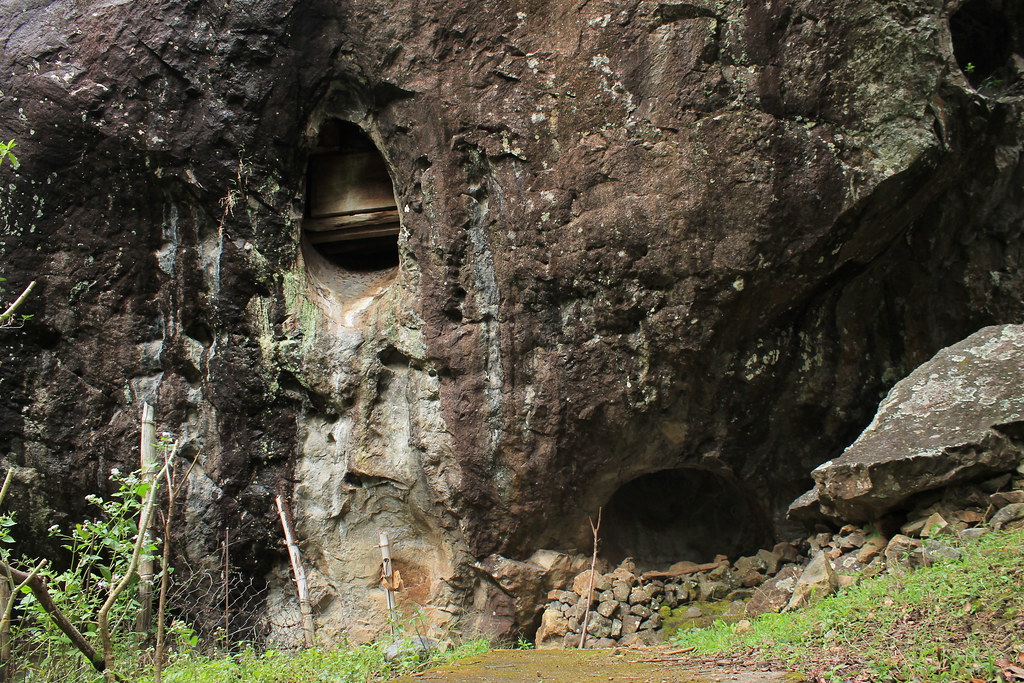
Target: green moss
pixel 711 612
pixel 553 666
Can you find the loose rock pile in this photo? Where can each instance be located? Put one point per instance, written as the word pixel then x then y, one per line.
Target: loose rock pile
pixel 626 608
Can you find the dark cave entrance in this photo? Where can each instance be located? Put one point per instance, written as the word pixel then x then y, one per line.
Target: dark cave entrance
pixel 983 38
pixel 351 214
pixel 681 514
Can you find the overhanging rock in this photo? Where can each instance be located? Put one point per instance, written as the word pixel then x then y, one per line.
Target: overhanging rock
pixel 956 418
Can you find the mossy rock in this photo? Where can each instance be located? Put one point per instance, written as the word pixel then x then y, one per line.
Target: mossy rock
pixel 676 620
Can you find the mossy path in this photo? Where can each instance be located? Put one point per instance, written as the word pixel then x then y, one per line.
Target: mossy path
pixel 591 666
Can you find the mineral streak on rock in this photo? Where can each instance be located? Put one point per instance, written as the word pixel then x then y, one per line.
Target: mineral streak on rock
pixel 635 237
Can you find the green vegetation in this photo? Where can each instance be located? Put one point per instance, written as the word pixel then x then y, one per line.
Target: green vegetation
pixel 953 621
pixel 343 664
pixel 6 154
pixel 101 555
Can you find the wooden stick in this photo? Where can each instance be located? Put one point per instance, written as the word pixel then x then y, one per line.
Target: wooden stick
pixel 684 571
pixel 147 462
pixel 590 587
pixel 386 572
pixel 301 587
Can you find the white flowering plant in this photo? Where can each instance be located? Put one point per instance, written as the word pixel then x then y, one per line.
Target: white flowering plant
pixel 99 552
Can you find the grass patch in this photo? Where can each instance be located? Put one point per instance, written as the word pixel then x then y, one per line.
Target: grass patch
pixel 341 664
pixel 949 622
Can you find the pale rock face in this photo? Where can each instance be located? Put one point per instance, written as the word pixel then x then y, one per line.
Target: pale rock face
pixel 657 258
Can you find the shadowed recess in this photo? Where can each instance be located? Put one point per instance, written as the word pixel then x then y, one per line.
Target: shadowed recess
pixel 682 514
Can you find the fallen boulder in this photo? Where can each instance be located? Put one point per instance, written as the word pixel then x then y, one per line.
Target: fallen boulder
pixel 958 417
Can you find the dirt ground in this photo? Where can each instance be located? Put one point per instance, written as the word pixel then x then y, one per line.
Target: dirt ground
pixel 649 665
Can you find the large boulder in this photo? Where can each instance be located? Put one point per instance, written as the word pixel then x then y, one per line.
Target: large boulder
pixel 956 418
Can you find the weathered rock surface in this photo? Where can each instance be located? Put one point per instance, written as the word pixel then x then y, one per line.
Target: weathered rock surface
pixel 959 417
pixel 660 257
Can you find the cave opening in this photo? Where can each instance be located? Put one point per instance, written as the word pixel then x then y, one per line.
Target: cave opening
pixel 351 214
pixel 983 39
pixel 669 516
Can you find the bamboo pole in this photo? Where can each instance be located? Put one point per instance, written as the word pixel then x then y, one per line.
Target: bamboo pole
pixel 301 586
pixel 227 585
pixel 387 574
pixel 148 465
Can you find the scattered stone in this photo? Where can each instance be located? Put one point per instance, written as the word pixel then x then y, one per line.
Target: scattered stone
pixel 598 626
pixel 608 608
pixel 903 553
pixel 871 549
pixel 693 612
pixel 654 621
pixel 935 525
pixel 711 590
pixel 936 551
pixel 604 643
pixel 774 594
pixel 970 516
pixel 849 564
pixel 913 528
pixel 1010 513
pixel 817 581
pixel 553 628
pixel 621 589
pixel 974 534
pixel 639 595
pixel 852 540
pixel 630 624
pixel 582 581
pixel 647 638
pixel 412 646
pixel 642 611
pixel 787 551
pixel 772 560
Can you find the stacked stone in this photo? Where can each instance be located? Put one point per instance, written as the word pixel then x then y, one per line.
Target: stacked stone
pixel 627 609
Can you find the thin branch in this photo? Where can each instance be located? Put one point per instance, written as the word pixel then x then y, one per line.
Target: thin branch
pixel 102 618
pixel 6 315
pixel 170 470
pixel 594 528
pixel 42 593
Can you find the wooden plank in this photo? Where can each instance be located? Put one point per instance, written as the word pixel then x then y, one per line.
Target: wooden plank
pixel 347 183
pixel 356 220
pixel 352 235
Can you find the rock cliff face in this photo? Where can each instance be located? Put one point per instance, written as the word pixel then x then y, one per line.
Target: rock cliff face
pixel 658 257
